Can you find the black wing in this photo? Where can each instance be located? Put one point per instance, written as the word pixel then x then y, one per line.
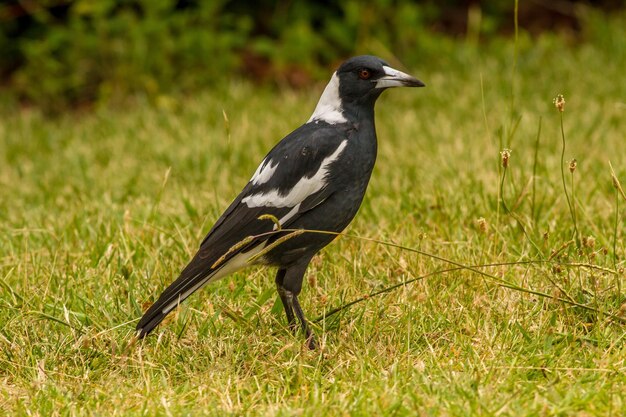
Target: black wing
pixel 291 180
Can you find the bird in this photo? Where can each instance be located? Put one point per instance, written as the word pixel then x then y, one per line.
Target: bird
pixel 313 179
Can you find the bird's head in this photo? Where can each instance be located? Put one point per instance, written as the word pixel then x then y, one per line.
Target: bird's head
pixel 365 75
pixel 356 85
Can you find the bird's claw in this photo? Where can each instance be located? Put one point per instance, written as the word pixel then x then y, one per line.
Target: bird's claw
pixel 311 342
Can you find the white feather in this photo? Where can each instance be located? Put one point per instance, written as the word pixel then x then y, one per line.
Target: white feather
pixel 263 173
pixel 234 264
pixel 303 188
pixel 329 108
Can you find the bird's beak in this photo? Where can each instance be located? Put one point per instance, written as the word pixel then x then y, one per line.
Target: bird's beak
pixel 395 78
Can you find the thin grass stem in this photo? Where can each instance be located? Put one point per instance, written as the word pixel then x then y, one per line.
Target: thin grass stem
pixel 505 162
pixel 619 191
pixel 499 281
pixel 569 203
pixel 533 200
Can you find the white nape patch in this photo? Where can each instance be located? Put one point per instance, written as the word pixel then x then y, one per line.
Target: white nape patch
pixel 392 78
pixel 263 173
pixel 329 108
pixel 234 264
pixel 303 188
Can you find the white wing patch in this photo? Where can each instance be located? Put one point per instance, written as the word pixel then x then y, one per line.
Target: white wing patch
pixel 329 109
pixel 264 172
pixel 303 188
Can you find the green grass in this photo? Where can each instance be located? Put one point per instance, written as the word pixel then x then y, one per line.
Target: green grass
pixel 99 212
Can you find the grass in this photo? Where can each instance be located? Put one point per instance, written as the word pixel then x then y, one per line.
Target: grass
pixel 98 213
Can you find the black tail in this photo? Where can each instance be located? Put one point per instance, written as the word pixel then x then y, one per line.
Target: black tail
pixel 200 270
pixel 157 311
pixel 148 322
pixel 194 276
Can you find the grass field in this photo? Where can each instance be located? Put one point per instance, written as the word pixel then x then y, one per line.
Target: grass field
pixel 99 211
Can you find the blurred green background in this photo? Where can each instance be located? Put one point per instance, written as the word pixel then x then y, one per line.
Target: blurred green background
pixel 60 54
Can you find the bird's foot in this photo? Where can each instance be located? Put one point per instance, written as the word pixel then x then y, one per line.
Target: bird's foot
pixel 294 327
pixel 311 342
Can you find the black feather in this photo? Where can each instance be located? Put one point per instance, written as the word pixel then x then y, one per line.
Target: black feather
pixel 296 159
pixel 343 118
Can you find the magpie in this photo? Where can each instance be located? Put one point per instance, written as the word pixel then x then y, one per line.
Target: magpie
pixel 314 179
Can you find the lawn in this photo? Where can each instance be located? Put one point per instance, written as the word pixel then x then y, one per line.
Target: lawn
pixel 510 306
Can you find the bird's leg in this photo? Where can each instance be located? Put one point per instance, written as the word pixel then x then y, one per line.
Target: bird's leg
pixel 310 337
pixel 291 303
pixel 285 298
pixel 289 284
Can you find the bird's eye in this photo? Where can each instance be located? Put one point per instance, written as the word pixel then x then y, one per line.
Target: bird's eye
pixel 364 74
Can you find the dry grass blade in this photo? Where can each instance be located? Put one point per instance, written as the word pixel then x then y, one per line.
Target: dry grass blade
pixel 279 241
pixel 244 242
pixel 271 217
pixel 616 183
pixel 500 281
